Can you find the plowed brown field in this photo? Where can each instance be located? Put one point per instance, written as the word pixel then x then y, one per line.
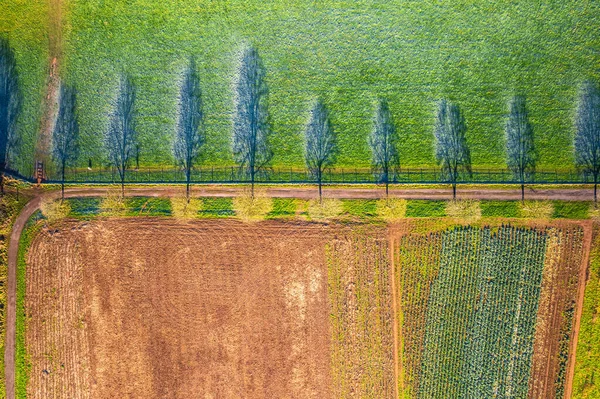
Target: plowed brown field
pixel 156 308
pixel 138 308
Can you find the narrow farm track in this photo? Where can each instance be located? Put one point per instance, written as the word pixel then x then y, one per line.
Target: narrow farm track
pixel 308 192
pixel 50 101
pixel 583 277
pixel 228 191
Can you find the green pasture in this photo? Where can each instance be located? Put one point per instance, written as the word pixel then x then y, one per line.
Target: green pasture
pixel 477 53
pixel 25 23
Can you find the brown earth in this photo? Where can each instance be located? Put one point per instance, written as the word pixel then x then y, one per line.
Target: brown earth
pixel 358 192
pixel 141 308
pixel 300 192
pixel 589 235
pixel 557 319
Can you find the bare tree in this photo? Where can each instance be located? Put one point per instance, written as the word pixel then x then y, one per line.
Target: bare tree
pixel 451 151
pixel 190 135
pixel 520 146
pixel 383 141
pixel 10 106
pixel 587 134
pixel 121 138
pixel 250 122
pixel 320 143
pixel 65 138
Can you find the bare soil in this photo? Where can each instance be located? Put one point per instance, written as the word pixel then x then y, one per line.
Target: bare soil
pixel 141 308
pixel 116 365
pixel 582 282
pixel 557 318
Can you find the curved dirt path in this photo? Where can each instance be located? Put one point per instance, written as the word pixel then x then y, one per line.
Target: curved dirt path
pixel 228 191
pixel 13 250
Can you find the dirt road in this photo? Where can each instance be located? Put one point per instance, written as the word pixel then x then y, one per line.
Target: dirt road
pixel 228 191
pixel 583 271
pixel 307 192
pixel 13 249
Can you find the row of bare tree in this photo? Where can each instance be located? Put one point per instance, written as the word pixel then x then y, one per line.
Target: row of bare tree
pixel 251 130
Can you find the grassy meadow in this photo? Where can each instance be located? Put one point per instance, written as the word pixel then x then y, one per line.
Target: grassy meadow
pixel 347 52
pixel 25 23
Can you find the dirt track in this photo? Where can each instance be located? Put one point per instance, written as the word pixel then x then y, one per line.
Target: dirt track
pixel 299 192
pixel 305 192
pixel 582 282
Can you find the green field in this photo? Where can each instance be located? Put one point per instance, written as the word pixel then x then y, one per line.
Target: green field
pixel 25 22
pixel 347 52
pixel 473 306
pixel 586 383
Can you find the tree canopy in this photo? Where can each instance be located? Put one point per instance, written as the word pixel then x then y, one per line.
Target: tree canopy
pixel 190 134
pixel 520 148
pixel 65 138
pixel 587 134
pixel 383 141
pixel 251 129
pixel 451 150
pixel 10 105
pixel 121 138
pixel 320 142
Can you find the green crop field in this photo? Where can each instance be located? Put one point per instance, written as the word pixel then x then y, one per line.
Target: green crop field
pixel 347 52
pixel 25 23
pixel 474 309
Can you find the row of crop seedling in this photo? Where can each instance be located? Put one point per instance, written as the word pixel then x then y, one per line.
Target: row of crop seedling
pixel 463 305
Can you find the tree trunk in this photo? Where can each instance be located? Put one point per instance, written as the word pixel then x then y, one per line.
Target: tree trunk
pixel 122 175
pixel 187 185
pixel 2 183
pixel 386 180
pixel 595 190
pixel 62 183
pixel 454 190
pixel 252 184
pixel 522 192
pixel 320 192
